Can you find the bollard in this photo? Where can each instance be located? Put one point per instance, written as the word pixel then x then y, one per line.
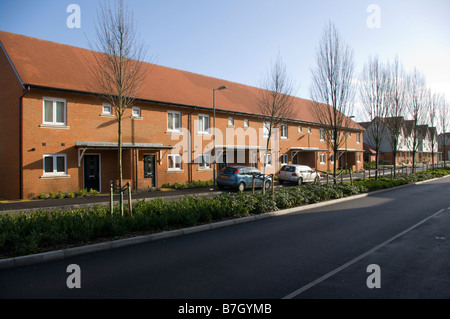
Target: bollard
pixel 272 184
pixel 253 183
pixel 351 179
pixel 111 190
pixel 129 198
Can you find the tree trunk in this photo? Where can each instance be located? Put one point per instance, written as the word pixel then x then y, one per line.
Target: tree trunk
pixel 119 144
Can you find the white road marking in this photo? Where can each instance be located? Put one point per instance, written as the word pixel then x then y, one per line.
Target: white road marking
pixel 351 262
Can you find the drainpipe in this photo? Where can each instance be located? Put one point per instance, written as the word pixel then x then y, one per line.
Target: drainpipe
pixel 27 89
pixel 190 172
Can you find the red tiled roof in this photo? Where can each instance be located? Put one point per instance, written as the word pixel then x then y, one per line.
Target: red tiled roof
pixel 54 65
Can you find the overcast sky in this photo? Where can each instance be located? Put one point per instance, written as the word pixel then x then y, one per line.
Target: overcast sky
pixel 237 40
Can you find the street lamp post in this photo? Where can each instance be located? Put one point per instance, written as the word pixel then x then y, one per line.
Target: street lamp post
pixel 223 87
pixel 346 150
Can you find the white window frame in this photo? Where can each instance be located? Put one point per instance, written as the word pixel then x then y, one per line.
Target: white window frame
pixel 203 118
pixel 332 158
pixel 176 130
pixel 204 161
pixel 54 102
pixel 138 109
pixel 322 158
pixel 230 121
pixel 266 128
pixel 105 112
pixel 299 128
pixel 322 134
pixel 175 156
pixel 284 159
pixel 358 158
pixel 55 165
pixel 284 135
pixel 246 123
pixel 358 138
pixel 309 129
pixel 269 159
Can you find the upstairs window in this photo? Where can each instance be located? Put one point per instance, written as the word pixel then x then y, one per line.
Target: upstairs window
pixel 284 131
pixel 358 138
pixel 136 112
pixel 266 129
pixel 173 121
pixel 203 124
pixel 54 111
pixel 107 109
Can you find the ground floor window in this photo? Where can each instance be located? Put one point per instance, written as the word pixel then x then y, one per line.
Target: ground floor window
pixel 358 158
pixel 204 161
pixel 284 159
pixel 322 158
pixel 55 164
pixel 174 162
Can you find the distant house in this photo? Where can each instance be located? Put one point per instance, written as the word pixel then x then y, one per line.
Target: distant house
pixel 405 141
pixel 444 146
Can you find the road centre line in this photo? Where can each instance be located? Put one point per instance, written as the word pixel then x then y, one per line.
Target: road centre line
pixel 351 262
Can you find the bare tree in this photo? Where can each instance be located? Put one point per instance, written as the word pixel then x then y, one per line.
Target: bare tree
pixel 333 88
pixel 373 94
pixel 276 102
pixel 433 108
pixel 444 115
pixel 396 105
pixel 416 105
pixel 118 68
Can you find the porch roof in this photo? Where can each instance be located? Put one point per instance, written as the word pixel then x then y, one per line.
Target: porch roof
pixel 113 145
pixel 308 149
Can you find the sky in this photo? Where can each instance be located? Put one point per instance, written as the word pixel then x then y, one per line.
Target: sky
pixel 238 40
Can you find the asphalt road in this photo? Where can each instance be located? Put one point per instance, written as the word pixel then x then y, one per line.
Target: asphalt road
pixel 318 253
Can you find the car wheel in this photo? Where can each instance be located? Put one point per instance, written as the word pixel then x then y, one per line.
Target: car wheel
pixel 317 180
pixel 280 181
pixel 267 184
pixel 300 181
pixel 241 187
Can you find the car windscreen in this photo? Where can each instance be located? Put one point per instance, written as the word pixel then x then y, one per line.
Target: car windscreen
pixel 229 170
pixel 288 168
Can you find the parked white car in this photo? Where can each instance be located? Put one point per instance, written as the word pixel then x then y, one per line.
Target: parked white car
pixel 297 174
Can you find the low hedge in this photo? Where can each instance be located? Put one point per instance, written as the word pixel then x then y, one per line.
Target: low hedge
pixel 22 234
pixel 40 231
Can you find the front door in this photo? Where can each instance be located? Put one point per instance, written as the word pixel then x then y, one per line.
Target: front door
pixel 149 168
pixel 92 172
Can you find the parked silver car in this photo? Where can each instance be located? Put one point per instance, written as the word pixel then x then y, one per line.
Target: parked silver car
pixel 297 174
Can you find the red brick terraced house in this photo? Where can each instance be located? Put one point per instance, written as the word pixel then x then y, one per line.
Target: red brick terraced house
pixel 58 135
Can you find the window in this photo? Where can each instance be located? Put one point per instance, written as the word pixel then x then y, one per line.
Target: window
pixel 136 111
pixel 284 159
pixel 55 164
pixel 174 162
pixel 322 134
pixel 358 138
pixel 230 121
pixel 245 123
pixel 54 111
pixel 309 129
pixel 107 109
pixel 173 121
pixel 269 160
pixel 358 158
pixel 266 128
pixel 332 158
pixel 322 158
pixel 299 128
pixel 203 124
pixel 284 131
pixel 204 161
